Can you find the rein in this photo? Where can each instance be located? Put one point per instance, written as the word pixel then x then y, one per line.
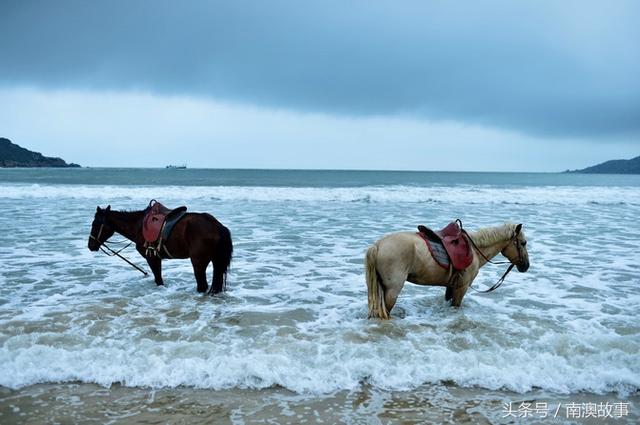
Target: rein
pixel 103 245
pixel 497 284
pixel 117 253
pixel 504 276
pixel 476 246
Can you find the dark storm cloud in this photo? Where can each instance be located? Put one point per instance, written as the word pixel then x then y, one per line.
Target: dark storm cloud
pixel 547 68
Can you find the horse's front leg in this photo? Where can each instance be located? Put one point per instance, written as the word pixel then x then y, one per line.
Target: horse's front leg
pixel 156 267
pixel 448 294
pixel 458 287
pixel 456 296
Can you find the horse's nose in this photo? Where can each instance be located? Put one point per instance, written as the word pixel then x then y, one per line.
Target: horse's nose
pixel 523 267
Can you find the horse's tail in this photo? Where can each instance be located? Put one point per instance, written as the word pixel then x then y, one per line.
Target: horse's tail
pixel 377 307
pixel 222 259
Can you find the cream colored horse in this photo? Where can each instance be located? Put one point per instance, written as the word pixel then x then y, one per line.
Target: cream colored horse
pixel 404 256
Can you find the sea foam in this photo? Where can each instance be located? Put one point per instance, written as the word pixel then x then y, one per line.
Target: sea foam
pixel 468 194
pixel 295 312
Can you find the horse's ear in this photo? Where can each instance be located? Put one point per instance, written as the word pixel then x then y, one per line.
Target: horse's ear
pixel 518 229
pixel 109 209
pixel 98 209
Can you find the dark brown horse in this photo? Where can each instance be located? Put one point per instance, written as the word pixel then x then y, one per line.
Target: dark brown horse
pixel 197 236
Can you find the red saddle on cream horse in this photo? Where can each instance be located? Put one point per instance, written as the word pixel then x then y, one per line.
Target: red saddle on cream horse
pixel 450 246
pixel 404 256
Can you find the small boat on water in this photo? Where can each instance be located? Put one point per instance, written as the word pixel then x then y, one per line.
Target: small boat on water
pixel 177 167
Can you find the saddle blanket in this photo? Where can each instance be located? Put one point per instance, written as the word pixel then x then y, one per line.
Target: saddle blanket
pixel 437 251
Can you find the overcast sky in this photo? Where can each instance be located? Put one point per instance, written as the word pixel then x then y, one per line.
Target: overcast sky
pixel 421 85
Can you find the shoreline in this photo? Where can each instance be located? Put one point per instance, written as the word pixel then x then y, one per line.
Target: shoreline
pixel 431 403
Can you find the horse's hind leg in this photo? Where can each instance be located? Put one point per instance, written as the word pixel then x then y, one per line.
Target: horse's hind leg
pixel 392 286
pixel 391 296
pixel 200 272
pixel 217 284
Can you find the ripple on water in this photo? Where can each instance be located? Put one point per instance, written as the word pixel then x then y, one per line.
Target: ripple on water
pixel 295 313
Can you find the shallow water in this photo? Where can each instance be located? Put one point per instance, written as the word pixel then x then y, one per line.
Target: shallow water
pixel 294 316
pixel 440 404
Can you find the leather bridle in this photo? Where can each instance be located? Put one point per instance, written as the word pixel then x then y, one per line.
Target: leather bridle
pixel 97 238
pixel 102 245
pixel 514 240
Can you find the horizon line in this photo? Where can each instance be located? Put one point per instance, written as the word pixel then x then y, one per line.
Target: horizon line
pixel 286 169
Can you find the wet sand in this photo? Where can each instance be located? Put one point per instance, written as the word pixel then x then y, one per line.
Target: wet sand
pixel 77 403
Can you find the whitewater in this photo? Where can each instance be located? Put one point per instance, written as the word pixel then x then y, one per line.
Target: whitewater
pixel 294 315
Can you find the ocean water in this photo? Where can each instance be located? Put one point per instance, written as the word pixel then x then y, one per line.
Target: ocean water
pixel 294 315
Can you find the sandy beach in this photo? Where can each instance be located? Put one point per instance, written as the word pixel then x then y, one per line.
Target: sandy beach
pixel 447 404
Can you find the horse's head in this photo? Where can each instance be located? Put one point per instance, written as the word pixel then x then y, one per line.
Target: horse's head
pixel 100 228
pixel 516 250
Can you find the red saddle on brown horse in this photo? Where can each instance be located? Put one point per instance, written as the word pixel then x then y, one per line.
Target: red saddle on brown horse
pixel 455 243
pixel 154 220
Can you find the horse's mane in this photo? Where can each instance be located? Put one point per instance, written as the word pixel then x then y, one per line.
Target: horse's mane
pixel 129 212
pixel 490 235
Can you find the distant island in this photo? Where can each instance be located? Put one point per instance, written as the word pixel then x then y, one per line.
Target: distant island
pixel 12 155
pixel 616 166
